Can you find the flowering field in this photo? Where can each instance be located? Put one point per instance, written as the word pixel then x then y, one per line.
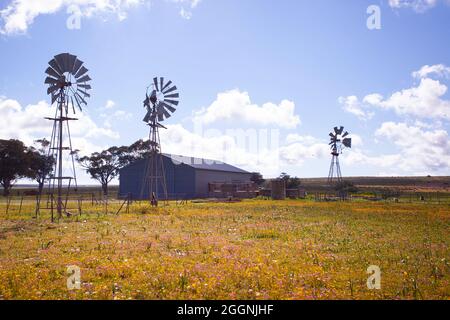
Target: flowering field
pixel 254 249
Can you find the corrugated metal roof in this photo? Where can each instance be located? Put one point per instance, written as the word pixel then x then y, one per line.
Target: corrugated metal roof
pixel 204 164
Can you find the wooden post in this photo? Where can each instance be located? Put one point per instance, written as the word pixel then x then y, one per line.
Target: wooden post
pixel 51 206
pixel 38 202
pixel 79 206
pixel 8 202
pixel 20 206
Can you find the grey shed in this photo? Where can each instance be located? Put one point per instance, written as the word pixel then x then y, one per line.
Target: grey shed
pixel 186 177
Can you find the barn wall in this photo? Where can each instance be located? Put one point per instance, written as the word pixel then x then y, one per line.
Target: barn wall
pixel 180 180
pixel 183 181
pixel 203 177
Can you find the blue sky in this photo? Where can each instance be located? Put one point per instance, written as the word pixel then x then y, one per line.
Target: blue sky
pixel 294 69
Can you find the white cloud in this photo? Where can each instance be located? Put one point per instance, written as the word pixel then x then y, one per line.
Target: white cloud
pixel 357 141
pixel 416 5
pixel 297 153
pixel 352 105
pixel 185 14
pixel 245 149
pixel 186 7
pixel 18 15
pixel 295 137
pixel 437 69
pixel 235 106
pixel 28 124
pixel 421 151
pixel 358 157
pixel 425 100
pixel 110 104
pixel 111 113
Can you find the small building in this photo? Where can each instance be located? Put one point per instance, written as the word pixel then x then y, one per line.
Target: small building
pixel 186 178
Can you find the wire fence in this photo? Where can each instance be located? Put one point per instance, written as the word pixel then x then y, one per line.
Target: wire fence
pixel 87 204
pixel 75 204
pixel 417 197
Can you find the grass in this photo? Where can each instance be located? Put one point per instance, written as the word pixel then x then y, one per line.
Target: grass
pixel 255 249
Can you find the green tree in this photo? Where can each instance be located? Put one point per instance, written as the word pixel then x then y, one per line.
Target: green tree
pixel 105 165
pixel 15 162
pixel 138 150
pixel 42 164
pixel 291 182
pixel 257 178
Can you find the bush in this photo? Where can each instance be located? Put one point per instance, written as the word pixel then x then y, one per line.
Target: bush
pixel 346 186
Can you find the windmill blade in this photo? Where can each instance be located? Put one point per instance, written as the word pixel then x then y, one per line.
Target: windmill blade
pixel 63 61
pixel 174 95
pixel 85 86
pixel 166 114
pixel 84 79
pixel 147 116
pixel 338 130
pixel 146 101
pixel 71 62
pixel 80 97
pixel 170 90
pixel 167 106
pixel 78 102
pixel 171 101
pixel 331 135
pixel 55 67
pixel 52 89
pixel 81 72
pixel 73 106
pixel 50 80
pixel 345 134
pixel 347 142
pixel 54 98
pixel 160 112
pixel 52 73
pixel 76 66
pixel 161 106
pixel 66 105
pixel 85 93
pixel 161 82
pixel 155 82
pixel 167 85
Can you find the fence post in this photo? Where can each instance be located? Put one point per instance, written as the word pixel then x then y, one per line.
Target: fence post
pixel 8 202
pixel 51 206
pixel 79 206
pixel 20 206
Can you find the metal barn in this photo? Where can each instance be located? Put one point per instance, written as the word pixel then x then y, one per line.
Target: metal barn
pixel 186 177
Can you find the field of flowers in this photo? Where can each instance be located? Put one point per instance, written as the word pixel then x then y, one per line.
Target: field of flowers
pixel 254 249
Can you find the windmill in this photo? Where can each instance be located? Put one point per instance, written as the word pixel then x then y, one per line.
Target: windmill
pixel 68 86
pixel 160 101
pixel 338 141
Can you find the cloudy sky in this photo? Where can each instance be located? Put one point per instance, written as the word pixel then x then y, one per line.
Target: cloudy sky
pixel 262 82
